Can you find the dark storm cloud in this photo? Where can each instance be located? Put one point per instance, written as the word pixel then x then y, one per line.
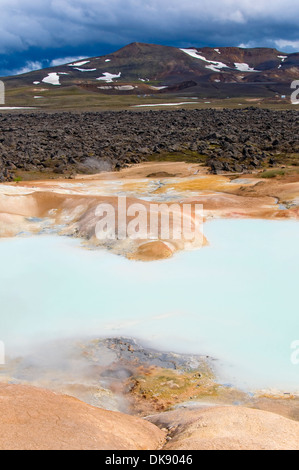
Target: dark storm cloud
pixel 34 32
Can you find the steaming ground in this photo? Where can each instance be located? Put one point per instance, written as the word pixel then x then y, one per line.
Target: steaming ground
pixel 222 305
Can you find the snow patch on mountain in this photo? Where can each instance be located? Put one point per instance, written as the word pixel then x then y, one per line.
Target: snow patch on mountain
pixel 158 88
pixel 162 104
pixel 52 79
pixel 124 88
pixel 194 53
pixel 213 65
pixel 8 108
pixel 109 77
pixel 216 66
pixel 79 64
pixel 242 67
pixel 86 70
pixel 118 88
pixel 282 59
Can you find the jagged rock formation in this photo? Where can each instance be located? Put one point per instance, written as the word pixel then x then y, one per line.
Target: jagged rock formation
pixel 68 143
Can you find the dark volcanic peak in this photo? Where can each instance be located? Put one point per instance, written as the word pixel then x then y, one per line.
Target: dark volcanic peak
pixel 148 68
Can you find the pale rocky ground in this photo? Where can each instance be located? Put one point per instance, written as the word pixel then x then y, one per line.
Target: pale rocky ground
pixel 121 376
pixel 68 207
pixel 228 428
pixel 35 419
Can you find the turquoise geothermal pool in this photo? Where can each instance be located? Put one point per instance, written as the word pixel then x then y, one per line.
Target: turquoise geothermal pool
pixel 236 300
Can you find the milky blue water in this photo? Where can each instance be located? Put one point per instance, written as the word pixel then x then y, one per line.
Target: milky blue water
pixel 236 300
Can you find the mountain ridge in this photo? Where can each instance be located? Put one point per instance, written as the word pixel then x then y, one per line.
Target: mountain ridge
pixel 140 68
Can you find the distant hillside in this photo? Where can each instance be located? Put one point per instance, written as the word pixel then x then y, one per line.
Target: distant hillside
pixel 152 69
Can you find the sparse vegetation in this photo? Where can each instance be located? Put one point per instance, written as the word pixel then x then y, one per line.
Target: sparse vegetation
pixel 17 179
pixel 161 389
pixel 272 174
pixel 184 156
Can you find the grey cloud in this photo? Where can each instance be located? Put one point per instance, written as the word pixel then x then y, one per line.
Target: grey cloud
pixel 28 67
pixel 65 60
pixel 68 23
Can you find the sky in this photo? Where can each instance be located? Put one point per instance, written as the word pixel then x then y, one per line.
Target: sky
pixel 40 33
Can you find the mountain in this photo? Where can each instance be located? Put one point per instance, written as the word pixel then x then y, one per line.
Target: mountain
pixel 152 69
